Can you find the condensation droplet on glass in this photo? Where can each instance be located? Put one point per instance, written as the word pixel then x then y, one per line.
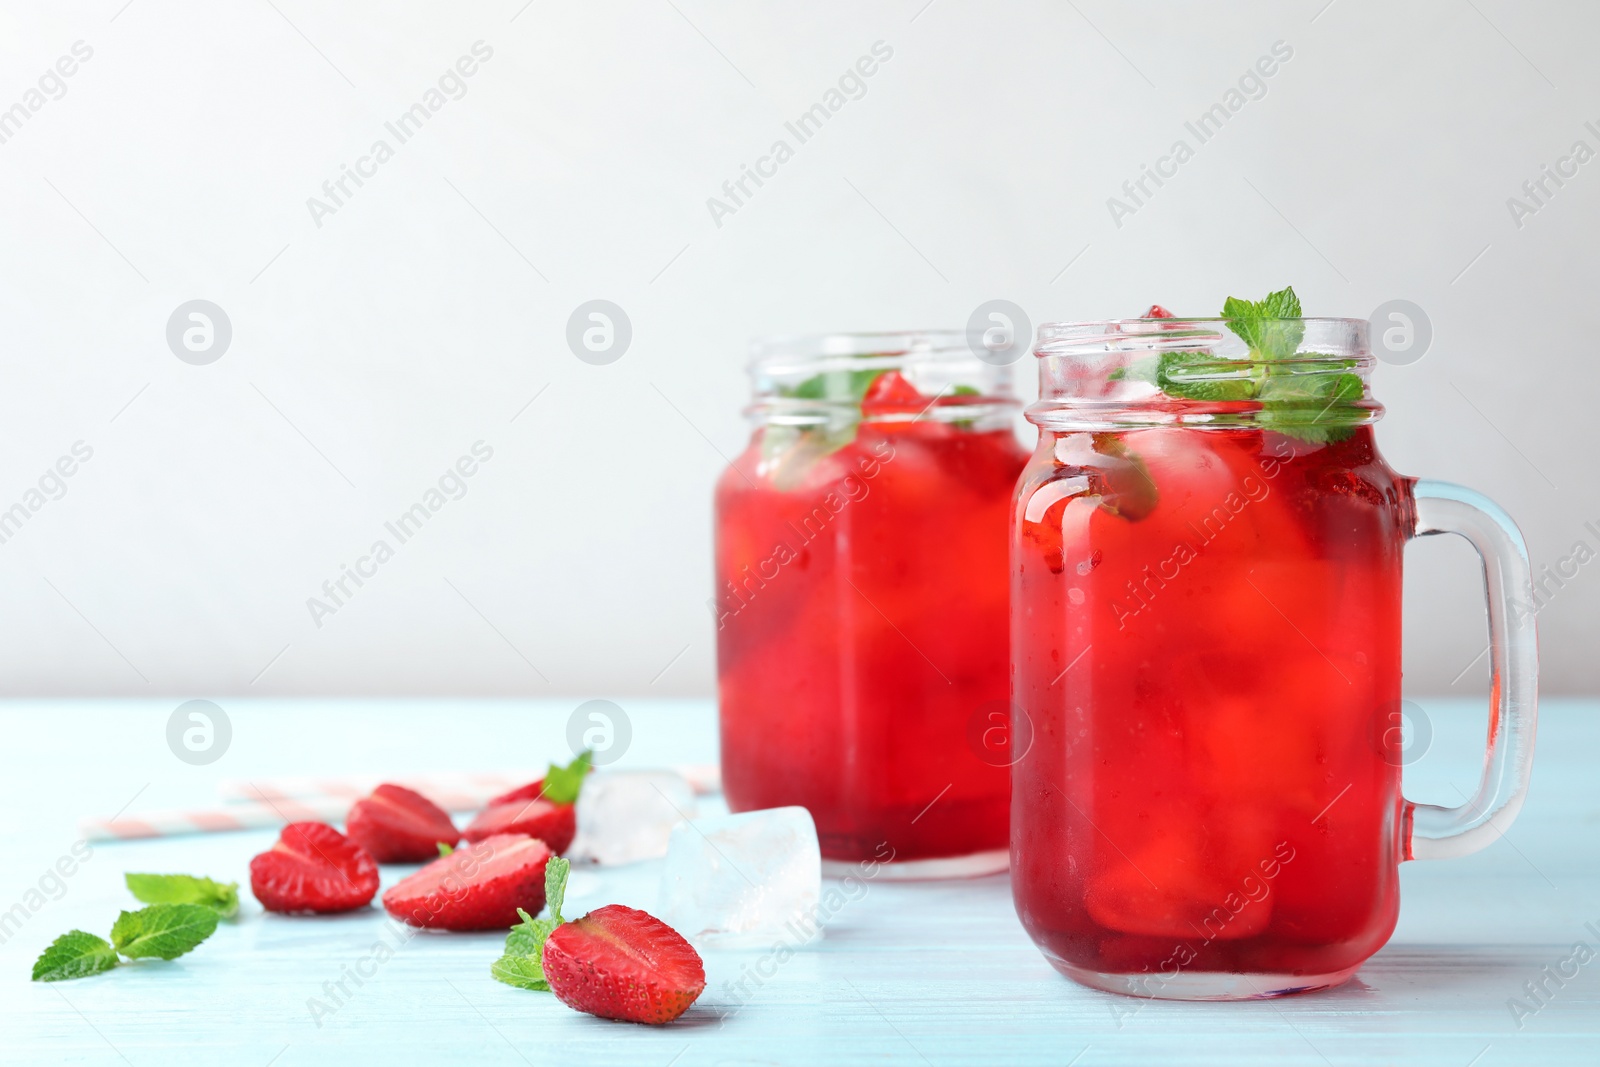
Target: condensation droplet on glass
pixel 1085 566
pixel 1075 595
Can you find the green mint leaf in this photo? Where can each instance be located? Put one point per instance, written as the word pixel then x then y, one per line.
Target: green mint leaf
pixel 1185 375
pixel 1281 305
pixel 789 451
pixel 220 897
pixel 445 850
pixel 1122 479
pixel 555 886
pixel 1280 339
pixel 1244 319
pixel 522 963
pixel 1271 327
pixel 528 936
pixel 1140 370
pixel 834 385
pixel 524 972
pixel 563 784
pixel 963 390
pixel 1311 407
pixel 74 954
pixel 165 931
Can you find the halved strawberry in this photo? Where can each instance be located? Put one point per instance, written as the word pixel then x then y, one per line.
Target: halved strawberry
pixel 1157 312
pixel 313 868
pixel 532 791
pixel 543 809
pixel 621 963
pixel 479 886
pixel 554 824
pixel 398 825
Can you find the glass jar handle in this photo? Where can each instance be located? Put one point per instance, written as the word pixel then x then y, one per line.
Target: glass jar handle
pixel 1435 832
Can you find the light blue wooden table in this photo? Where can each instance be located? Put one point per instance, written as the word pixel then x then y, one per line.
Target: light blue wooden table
pixel 916 974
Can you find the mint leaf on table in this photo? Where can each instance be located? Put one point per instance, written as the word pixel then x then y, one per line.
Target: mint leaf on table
pixel 521 971
pixel 555 886
pixel 220 897
pixel 163 931
pixel 74 954
pixel 527 937
pixel 522 963
pixel 563 784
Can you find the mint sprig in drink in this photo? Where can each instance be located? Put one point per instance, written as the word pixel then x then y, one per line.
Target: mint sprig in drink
pixel 1206 587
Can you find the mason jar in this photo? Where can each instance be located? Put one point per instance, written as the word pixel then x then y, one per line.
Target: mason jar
pixel 1207 557
pixel 861 604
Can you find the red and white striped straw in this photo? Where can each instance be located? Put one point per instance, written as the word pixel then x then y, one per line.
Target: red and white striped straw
pixel 267 802
pixel 255 816
pixel 453 791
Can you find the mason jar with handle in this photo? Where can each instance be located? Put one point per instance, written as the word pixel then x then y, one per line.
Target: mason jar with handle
pixel 1206 591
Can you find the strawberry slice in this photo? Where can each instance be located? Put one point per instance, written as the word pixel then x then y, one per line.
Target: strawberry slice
pixel 890 392
pixel 621 963
pixel 398 825
pixel 313 868
pixel 554 824
pixel 479 886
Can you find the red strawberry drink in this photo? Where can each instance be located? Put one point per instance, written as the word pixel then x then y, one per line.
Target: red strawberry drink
pixel 1206 638
pixel 861 597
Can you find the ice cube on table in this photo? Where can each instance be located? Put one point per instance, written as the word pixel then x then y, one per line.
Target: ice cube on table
pixel 627 816
pixel 743 881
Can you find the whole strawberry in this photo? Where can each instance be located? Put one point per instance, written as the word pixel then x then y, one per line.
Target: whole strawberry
pixel 479 886
pixel 615 962
pixel 313 868
pixel 545 809
pixel 398 825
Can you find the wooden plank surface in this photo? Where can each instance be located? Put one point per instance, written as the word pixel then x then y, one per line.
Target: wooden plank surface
pixel 936 973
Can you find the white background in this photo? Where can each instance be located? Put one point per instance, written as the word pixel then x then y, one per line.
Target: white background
pixel 372 351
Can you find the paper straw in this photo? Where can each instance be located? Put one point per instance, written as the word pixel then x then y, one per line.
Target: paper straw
pixel 453 791
pixel 241 816
pixel 267 802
